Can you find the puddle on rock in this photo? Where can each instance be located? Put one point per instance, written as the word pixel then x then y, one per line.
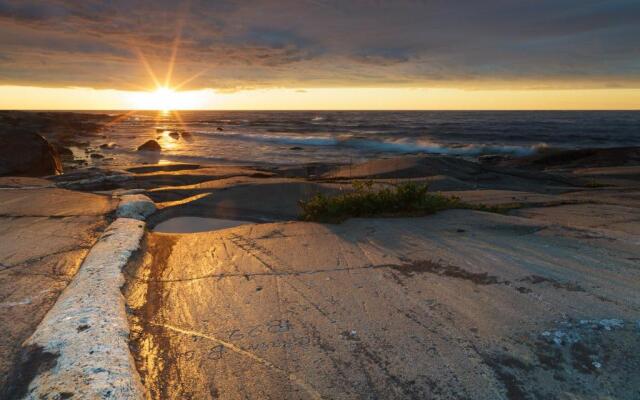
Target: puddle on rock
pixel 196 224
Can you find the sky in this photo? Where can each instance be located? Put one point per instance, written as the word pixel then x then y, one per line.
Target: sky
pixel 320 54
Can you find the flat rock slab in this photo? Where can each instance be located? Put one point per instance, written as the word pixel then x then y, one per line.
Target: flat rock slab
pixel 240 198
pixel 462 304
pixel 596 217
pixel 52 203
pixel 502 197
pixel 23 181
pixel 45 234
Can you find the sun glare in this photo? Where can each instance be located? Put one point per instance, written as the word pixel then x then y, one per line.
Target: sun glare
pixel 166 99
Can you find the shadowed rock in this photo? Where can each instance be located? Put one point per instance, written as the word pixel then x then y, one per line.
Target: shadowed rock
pixel 25 153
pixel 150 145
pixel 618 156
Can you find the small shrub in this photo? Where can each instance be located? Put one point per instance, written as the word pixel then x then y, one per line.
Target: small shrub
pixel 404 199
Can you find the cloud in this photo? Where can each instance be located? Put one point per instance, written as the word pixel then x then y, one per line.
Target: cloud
pixel 311 43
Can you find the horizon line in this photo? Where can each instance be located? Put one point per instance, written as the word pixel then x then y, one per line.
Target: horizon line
pixel 327 110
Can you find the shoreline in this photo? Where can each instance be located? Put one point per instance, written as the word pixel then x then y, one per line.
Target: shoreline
pixel 110 141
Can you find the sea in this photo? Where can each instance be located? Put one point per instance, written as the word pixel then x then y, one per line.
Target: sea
pixel 294 137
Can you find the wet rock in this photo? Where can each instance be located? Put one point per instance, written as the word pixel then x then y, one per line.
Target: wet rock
pixel 219 129
pixel 163 167
pixel 92 179
pixel 150 145
pixel 108 146
pixel 174 135
pixel 295 148
pixel 96 155
pixel 25 153
pixel 187 135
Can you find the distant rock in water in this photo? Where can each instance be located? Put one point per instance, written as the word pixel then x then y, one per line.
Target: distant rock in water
pixel 25 153
pixel 150 145
pixel 187 135
pixel 108 146
pixel 174 135
pixel 219 129
pixel 295 148
pixel 96 155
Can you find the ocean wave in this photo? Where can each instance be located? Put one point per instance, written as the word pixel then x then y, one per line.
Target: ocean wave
pixel 382 146
pixel 276 139
pixel 421 146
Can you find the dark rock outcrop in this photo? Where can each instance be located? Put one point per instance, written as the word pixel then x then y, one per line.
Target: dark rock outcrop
pixel 25 153
pixel 150 145
pixel 578 158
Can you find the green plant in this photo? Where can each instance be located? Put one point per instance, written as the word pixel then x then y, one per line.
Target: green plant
pixel 404 199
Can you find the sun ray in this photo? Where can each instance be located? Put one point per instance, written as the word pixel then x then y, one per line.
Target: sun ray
pixel 166 97
pixel 177 115
pixel 191 78
pixel 147 67
pixel 174 53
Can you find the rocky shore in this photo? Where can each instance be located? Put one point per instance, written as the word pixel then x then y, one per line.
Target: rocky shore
pixel 537 301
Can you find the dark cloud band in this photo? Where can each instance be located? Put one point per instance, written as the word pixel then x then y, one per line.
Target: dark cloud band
pixel 224 44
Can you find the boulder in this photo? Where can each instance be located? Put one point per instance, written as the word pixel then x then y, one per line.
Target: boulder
pixel 136 206
pixel 150 145
pixel 25 153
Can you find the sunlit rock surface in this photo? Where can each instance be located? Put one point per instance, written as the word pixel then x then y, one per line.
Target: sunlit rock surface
pixel 462 304
pixel 87 330
pixel 45 234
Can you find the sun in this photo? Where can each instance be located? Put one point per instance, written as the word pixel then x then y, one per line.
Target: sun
pixel 162 99
pixel 165 98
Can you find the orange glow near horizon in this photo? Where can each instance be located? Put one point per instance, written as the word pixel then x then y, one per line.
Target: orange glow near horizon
pixel 41 98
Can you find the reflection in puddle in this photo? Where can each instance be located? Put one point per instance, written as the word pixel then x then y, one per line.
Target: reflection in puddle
pixel 196 224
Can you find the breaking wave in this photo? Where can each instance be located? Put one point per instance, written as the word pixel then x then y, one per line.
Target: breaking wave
pixel 383 145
